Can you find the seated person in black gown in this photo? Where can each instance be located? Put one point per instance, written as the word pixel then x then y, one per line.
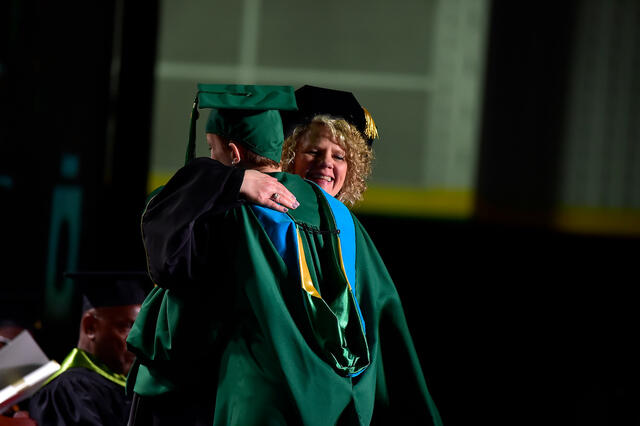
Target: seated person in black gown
pixel 89 389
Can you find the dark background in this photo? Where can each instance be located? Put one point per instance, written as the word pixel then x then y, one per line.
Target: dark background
pixel 515 322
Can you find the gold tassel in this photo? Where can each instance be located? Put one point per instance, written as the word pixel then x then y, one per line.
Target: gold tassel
pixel 370 129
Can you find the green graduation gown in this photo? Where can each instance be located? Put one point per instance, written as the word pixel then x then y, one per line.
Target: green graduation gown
pixel 310 333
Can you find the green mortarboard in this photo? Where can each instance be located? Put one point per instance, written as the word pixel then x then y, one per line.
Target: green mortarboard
pixel 247 114
pixel 314 101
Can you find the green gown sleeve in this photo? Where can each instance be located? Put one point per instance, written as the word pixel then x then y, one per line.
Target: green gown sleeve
pixel 183 232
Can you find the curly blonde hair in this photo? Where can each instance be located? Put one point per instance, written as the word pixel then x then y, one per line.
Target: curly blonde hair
pixel 357 154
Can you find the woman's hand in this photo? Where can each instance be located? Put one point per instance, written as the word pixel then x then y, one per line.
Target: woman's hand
pixel 264 190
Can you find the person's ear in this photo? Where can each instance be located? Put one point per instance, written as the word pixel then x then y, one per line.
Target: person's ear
pixel 89 324
pixel 236 155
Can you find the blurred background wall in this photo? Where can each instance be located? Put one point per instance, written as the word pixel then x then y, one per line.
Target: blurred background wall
pixel 505 196
pixel 417 66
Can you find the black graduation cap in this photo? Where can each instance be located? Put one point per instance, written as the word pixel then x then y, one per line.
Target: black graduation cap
pixel 314 100
pixel 111 288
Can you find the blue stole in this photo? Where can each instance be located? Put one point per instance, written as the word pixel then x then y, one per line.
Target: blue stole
pixel 283 232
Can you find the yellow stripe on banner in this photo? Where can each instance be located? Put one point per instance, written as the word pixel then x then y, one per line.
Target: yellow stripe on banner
pixel 459 204
pixel 391 200
pixel 157 179
pixel 454 203
pixel 305 276
pixel 607 221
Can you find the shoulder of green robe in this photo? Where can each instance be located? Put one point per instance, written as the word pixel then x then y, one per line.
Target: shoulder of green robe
pixel 305 194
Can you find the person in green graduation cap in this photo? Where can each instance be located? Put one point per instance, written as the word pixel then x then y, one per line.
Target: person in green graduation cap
pixel 262 316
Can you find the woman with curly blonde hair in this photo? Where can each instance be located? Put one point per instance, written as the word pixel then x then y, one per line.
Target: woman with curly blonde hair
pixel 333 154
pixel 329 142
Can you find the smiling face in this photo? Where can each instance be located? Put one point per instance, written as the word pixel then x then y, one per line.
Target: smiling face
pixel 319 158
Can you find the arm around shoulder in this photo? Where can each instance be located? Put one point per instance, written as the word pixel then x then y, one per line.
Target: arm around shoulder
pixel 177 221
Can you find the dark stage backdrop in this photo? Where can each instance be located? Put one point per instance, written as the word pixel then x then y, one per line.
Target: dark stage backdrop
pixel 516 324
pixel 76 85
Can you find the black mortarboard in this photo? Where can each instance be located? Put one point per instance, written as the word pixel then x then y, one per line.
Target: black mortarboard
pixel 111 288
pixel 314 101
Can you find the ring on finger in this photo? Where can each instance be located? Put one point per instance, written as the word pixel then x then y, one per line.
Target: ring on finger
pixel 275 196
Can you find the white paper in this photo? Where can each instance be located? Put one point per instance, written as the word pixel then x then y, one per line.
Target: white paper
pixel 23 369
